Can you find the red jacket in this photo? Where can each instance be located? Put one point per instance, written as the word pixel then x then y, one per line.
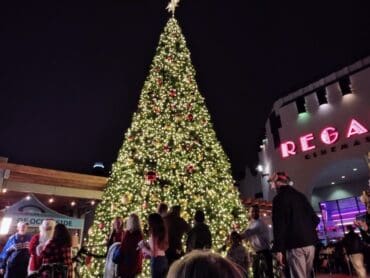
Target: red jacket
pixel 35 261
pixel 131 257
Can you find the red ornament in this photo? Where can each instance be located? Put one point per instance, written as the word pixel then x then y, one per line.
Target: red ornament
pixel 172 93
pixel 151 176
pixel 101 225
pixel 188 147
pixel 166 148
pixel 88 260
pixel 145 205
pixel 159 81
pixel 190 169
pixel 169 58
pixel 190 117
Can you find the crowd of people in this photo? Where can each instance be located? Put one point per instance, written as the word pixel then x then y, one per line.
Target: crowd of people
pixel 166 232
pixel 293 247
pixel 348 255
pixel 294 229
pixel 27 256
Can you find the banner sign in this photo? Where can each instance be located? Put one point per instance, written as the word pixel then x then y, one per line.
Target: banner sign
pixel 36 220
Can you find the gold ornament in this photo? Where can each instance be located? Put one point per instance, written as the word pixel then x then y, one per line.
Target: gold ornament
pixel 125 199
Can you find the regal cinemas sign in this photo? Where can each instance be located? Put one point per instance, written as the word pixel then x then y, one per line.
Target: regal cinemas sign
pixel 328 136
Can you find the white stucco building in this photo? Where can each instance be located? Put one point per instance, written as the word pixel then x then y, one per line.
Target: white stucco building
pixel 319 135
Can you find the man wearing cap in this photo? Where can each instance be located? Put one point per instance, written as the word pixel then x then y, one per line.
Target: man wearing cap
pixel 294 226
pixel 38 242
pixel 15 255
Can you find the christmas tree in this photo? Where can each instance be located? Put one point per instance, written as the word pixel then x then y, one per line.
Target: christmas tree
pixel 170 154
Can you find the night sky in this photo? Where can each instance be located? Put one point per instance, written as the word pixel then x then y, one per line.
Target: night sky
pixel 71 72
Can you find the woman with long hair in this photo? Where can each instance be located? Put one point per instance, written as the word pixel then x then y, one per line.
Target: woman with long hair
pixel 58 250
pixel 157 246
pixel 117 232
pixel 131 259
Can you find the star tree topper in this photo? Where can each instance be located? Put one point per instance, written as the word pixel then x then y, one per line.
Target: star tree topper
pixel 172 6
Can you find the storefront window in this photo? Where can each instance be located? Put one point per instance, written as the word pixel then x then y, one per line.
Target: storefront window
pixel 336 215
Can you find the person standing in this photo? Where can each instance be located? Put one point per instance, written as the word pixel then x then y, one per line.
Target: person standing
pixel 177 228
pixel 238 253
pixel 37 244
pixel 258 235
pixel 117 231
pixel 15 254
pixel 162 209
pixel 199 237
pixel 294 227
pixel 131 258
pixel 58 250
pixel 354 248
pixel 157 246
pixel 363 225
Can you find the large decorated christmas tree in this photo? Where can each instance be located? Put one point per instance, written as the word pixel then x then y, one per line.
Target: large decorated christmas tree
pixel 170 154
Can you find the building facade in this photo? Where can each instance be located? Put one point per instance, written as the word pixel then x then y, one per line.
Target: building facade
pixel 319 135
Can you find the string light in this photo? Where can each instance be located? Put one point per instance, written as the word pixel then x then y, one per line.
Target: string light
pixel 170 154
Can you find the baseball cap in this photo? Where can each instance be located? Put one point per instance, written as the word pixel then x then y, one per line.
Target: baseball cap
pixel 279 176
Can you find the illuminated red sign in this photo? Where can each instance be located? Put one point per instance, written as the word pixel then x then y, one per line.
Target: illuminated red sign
pixel 329 135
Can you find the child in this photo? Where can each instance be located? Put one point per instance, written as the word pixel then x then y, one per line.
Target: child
pixel 237 252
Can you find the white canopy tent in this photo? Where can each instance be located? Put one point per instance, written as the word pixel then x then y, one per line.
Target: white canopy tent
pixel 33 212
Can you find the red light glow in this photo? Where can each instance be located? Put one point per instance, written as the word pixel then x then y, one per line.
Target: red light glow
pixel 355 128
pixel 305 142
pixel 288 149
pixel 329 135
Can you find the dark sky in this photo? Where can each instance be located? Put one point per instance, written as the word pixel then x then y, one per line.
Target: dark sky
pixel 71 72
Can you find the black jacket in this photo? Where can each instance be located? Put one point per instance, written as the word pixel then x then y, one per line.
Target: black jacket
pixel 199 237
pixel 176 228
pixel 352 243
pixel 366 235
pixel 294 220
